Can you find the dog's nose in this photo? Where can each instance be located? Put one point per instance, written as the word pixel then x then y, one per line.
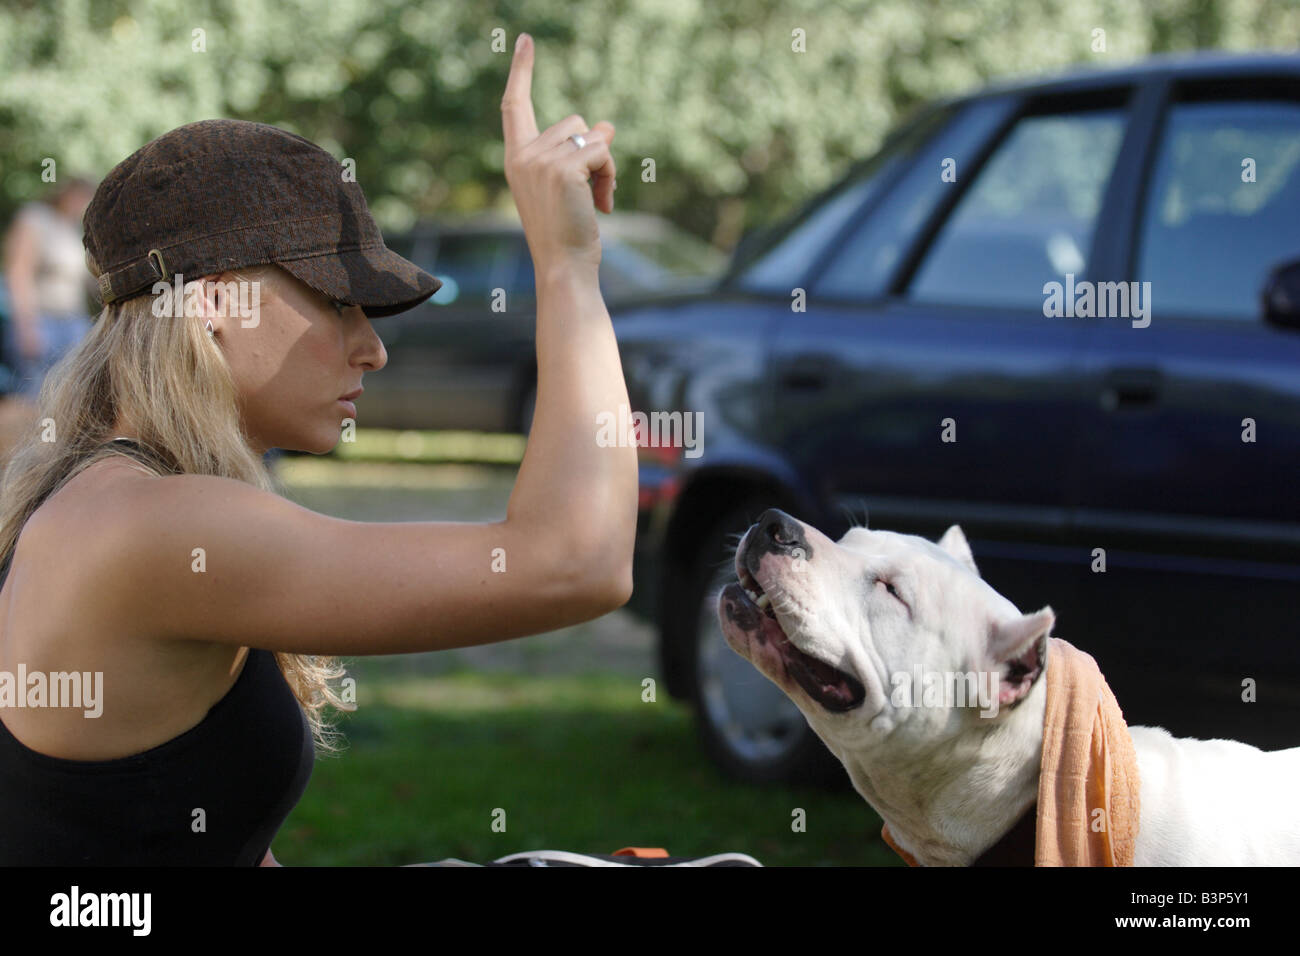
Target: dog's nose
pixel 779 533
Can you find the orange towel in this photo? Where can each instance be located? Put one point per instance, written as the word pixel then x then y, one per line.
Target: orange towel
pixel 1088 784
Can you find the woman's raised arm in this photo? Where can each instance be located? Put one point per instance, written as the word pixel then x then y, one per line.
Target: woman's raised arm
pixel 216 559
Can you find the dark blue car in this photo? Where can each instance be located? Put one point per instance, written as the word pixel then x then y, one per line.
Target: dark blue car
pixel 1058 314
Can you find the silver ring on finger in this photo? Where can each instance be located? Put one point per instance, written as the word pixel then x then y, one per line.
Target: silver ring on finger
pixel 578 141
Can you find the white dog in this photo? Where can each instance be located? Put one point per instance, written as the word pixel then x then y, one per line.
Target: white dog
pixel 845 628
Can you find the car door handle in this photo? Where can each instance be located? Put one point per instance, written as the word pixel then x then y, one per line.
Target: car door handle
pixel 806 375
pixel 1128 388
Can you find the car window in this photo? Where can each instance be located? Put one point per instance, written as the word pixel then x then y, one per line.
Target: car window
pixel 676 253
pixel 1223 207
pixel 866 261
pixel 1028 217
pixel 471 266
pixel 785 265
pixel 403 244
pixel 623 274
pixel 613 282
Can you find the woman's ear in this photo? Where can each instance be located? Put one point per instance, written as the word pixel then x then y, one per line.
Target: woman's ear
pixel 206 299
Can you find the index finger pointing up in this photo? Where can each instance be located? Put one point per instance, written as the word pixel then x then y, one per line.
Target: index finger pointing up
pixel 517 120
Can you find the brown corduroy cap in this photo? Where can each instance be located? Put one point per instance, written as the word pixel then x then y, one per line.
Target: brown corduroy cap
pixel 217 195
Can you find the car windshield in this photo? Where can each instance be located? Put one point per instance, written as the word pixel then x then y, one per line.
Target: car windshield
pixel 653 260
pixel 783 265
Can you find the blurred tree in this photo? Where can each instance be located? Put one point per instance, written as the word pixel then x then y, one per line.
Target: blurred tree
pixel 745 108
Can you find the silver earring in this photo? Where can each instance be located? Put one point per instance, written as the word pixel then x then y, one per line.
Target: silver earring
pixel 211 332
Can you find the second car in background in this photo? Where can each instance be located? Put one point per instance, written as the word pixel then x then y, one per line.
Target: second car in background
pixel 465 359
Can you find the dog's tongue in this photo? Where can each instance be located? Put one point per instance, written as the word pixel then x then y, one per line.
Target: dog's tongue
pixel 829 686
pixel 832 688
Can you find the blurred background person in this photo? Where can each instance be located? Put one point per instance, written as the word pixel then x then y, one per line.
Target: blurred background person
pixel 48 284
pixel 46 287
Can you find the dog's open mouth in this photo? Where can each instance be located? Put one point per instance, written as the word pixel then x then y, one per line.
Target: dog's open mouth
pixel 752 610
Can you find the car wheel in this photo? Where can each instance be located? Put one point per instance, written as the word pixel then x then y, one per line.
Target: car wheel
pixel 750 729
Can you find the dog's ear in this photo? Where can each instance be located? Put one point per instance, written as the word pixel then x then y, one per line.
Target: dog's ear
pixel 1017 653
pixel 955 543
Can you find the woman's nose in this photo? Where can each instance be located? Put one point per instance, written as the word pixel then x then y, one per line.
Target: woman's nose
pixel 373 352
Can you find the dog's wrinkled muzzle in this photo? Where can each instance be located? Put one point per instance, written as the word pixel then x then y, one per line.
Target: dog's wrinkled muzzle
pixel 753 620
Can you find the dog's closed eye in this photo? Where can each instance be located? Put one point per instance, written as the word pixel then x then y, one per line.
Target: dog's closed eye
pixel 893 592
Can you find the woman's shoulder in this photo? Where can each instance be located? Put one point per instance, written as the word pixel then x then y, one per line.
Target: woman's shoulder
pixel 100 491
pixel 130 540
pixel 62 610
pixel 104 535
pixel 62 550
pixel 121 487
pixel 84 524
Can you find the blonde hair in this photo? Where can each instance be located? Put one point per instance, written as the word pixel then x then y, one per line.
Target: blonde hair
pixel 170 381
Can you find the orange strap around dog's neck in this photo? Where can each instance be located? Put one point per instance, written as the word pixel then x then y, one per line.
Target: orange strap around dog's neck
pixel 907 857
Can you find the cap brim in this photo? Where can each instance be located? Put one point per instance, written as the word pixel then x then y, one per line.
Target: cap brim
pixel 379 280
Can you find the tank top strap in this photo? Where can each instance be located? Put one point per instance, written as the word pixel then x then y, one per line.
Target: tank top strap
pixel 141 453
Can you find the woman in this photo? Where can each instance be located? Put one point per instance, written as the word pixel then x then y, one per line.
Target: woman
pixel 147 544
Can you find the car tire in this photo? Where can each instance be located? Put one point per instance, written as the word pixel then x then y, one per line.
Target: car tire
pixel 748 727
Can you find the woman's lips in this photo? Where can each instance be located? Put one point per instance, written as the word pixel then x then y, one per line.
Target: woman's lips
pixel 349 407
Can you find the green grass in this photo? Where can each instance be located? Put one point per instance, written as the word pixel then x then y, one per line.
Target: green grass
pixel 382 444
pixel 576 762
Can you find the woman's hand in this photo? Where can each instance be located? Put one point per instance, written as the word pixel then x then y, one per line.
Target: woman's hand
pixel 548 174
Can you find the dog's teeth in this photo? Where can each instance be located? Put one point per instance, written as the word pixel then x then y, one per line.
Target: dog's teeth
pixel 763 600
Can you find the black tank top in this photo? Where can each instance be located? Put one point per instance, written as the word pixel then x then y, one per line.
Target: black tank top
pixel 244 766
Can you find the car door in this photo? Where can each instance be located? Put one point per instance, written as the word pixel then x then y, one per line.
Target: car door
pixel 1191 431
pixel 924 385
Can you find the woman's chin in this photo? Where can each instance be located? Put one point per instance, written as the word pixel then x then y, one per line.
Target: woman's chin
pixel 320 439
pixel 315 444
pixel 326 445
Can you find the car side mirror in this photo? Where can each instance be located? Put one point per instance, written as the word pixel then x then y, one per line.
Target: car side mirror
pixel 1281 296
